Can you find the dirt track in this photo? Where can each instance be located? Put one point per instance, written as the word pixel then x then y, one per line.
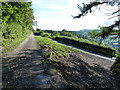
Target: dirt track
pixel 26 68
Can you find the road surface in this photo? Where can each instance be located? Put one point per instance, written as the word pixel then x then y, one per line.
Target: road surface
pixel 24 67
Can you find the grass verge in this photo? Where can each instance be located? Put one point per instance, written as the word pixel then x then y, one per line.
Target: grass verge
pixel 86 41
pixel 9 45
pixel 54 50
pixel 116 66
pixel 57 56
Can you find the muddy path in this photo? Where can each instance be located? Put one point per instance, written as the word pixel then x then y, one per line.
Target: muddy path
pixel 25 67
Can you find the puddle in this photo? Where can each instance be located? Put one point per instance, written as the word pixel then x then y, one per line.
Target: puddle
pixel 44 79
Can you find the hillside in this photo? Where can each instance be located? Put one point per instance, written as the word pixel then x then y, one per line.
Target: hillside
pixel 49 59
pixel 108 41
pixel 39 65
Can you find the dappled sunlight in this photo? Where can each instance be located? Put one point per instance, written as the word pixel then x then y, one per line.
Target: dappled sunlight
pixel 25 65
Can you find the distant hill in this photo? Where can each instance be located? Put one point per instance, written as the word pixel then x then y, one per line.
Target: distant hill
pixel 85 31
pixel 107 41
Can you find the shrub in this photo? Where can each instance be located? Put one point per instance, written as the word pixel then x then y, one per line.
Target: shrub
pixel 86 46
pixel 38 33
pixel 46 35
pixel 116 66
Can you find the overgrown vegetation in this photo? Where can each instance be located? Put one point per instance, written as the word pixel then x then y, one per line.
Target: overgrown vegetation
pixel 87 46
pixel 107 30
pixel 116 66
pixel 67 34
pixel 54 50
pixel 17 19
pixel 76 40
pixel 88 8
pixel 73 37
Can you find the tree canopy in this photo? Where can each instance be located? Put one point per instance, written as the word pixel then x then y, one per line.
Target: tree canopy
pixel 17 19
pixel 87 8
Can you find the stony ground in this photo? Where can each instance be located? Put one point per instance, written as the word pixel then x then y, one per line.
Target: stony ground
pixel 26 67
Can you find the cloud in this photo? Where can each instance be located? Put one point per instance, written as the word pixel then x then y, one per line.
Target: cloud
pixel 59 19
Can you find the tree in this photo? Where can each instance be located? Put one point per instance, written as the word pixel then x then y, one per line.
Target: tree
pixel 87 8
pixel 64 30
pixel 96 34
pixel 17 19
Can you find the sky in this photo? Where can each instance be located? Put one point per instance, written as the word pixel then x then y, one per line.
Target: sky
pixel 57 15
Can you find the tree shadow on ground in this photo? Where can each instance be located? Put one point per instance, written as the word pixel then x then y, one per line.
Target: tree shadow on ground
pixel 80 74
pixel 19 71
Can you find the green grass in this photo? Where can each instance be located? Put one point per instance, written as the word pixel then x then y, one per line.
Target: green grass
pixel 73 37
pixel 116 66
pixel 9 45
pixel 58 50
pixel 86 41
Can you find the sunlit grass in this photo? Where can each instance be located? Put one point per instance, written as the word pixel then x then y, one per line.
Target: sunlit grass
pixel 8 45
pixel 86 41
pixel 58 50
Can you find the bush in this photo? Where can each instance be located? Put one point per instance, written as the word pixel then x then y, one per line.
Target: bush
pixel 116 66
pixel 86 46
pixel 38 33
pixel 16 23
pixel 46 35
